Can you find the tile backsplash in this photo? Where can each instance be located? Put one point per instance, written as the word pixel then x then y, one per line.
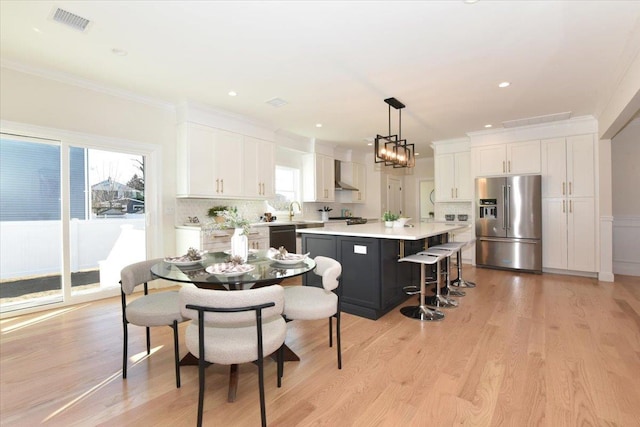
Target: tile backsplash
pixel 250 209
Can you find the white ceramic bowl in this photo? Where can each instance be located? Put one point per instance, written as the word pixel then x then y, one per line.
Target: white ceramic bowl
pixel 400 222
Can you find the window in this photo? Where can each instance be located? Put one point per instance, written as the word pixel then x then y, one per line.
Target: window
pixel 287 187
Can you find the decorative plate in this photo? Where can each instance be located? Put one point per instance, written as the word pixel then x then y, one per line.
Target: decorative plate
pixel 184 260
pixel 289 258
pixel 229 269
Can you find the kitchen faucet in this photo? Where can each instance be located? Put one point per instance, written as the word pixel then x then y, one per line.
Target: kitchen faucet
pixel 291 209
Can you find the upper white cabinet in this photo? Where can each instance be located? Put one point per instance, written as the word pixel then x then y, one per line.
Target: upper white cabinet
pixel 318 173
pixel 514 158
pixel 453 176
pixel 259 168
pixel 354 174
pixel 568 167
pixel 208 164
pixel 221 164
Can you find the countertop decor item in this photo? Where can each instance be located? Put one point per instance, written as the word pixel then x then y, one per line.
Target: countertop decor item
pixel 230 219
pixel 463 217
pixel 388 217
pixel 449 217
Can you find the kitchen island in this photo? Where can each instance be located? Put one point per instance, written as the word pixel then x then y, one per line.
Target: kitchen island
pixel 372 277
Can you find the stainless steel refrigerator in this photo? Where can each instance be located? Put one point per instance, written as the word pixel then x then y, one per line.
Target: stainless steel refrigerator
pixel 509 223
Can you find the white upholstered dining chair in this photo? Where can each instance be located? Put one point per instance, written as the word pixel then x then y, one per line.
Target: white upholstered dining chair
pixel 313 303
pixel 233 327
pixel 148 310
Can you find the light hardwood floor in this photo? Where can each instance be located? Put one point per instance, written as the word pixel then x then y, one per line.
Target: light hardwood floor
pixel 522 349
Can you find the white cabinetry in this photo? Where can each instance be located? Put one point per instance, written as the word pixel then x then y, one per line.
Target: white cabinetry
pixel 514 158
pixel 219 240
pixel 569 226
pixel 318 178
pixel 259 168
pixel 217 163
pixel 259 238
pixel 464 235
pixel 207 162
pixel 453 177
pixel 354 174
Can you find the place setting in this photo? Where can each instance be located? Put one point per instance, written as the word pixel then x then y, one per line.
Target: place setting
pixel 192 258
pixel 283 257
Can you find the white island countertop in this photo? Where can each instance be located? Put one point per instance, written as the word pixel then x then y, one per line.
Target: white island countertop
pixel 379 231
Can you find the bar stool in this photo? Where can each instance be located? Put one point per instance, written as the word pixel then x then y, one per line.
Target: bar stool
pixel 460 282
pixel 439 300
pixel 422 312
pixel 455 247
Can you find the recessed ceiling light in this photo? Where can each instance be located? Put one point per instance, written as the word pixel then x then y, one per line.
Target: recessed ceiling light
pixel 488 126
pixel 369 144
pixel 416 154
pixel 470 1
pixel 232 93
pixel 504 84
pixel 318 125
pixel 37 30
pixel 119 52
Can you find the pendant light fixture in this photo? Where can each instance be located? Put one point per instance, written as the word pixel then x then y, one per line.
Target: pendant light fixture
pixel 392 150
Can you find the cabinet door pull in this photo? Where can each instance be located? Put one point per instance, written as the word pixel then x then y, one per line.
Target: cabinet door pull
pixel 217 185
pixel 570 206
pixel 509 168
pixel 456 192
pixel 570 191
pixel 563 206
pixel 219 236
pixel 222 186
pixel 563 187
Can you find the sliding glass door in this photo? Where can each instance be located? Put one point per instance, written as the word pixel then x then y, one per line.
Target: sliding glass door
pixel 71 218
pixel 30 223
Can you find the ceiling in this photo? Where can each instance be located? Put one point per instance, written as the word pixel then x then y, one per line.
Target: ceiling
pixel 335 62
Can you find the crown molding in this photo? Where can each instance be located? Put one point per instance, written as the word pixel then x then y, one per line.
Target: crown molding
pixel 72 80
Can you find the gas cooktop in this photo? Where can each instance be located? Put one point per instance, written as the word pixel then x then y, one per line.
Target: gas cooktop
pixel 357 220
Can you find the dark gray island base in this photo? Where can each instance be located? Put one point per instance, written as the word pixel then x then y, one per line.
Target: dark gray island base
pixel 372 277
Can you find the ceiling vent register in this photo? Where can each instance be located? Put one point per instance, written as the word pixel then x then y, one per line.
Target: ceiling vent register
pixel 71 20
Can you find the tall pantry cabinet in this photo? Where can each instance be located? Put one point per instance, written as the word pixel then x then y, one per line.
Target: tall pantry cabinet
pixel 569 227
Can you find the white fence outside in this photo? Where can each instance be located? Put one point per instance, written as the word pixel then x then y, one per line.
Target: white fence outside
pixel 34 248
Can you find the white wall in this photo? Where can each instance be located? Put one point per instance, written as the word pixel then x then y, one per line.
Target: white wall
pixel 625 158
pixel 34 99
pixel 625 155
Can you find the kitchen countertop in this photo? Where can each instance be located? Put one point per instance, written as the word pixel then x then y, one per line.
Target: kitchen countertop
pixel 378 230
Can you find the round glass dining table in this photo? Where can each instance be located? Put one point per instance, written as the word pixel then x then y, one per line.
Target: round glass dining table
pixel 264 271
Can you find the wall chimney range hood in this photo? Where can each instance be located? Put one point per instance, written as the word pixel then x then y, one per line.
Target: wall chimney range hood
pixel 339 184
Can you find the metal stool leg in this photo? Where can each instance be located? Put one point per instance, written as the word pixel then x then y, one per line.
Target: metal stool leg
pixel 422 312
pixel 438 300
pixel 460 282
pixel 449 291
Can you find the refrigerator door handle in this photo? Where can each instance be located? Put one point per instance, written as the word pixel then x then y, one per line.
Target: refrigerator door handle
pixel 502 240
pixel 504 208
pixel 508 206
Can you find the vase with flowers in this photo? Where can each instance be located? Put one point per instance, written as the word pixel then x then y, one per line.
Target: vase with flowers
pixel 239 241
